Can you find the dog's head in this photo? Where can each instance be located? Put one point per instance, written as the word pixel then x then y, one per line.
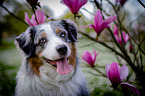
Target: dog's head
pixel 50 43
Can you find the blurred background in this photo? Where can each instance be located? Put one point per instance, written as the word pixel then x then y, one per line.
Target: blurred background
pixel 10 27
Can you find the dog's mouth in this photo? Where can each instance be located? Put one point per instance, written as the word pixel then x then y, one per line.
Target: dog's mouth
pixel 62 65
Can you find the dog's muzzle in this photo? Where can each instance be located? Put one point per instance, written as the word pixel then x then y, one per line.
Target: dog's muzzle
pixel 61 64
pixel 61 49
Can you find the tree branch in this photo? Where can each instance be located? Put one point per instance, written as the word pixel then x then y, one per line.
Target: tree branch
pixel 14 15
pixel 141 3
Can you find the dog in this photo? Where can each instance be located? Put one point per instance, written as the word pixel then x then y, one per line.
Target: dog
pixel 50 65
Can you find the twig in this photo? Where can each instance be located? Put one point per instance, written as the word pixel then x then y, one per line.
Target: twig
pixel 86 45
pixel 134 40
pixel 99 72
pixel 35 16
pixel 135 57
pixel 118 22
pixel 97 4
pixel 14 15
pixel 123 17
pixel 125 56
pixel 141 3
pixel 124 28
pixel 94 74
pixel 103 44
pixel 88 11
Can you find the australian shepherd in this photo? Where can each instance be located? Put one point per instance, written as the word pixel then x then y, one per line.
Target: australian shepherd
pixel 50 65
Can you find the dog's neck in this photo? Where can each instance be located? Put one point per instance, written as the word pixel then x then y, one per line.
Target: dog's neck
pixel 50 81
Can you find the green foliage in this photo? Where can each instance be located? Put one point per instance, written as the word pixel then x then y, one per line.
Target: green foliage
pixel 103 91
pixel 7 79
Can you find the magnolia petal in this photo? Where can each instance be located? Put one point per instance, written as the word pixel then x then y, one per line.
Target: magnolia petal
pixel 27 19
pixel 98 19
pixel 33 20
pixel 90 26
pixel 120 39
pixel 74 5
pixel 107 69
pixel 114 74
pixel 133 88
pixel 125 37
pixel 105 23
pixel 115 30
pixel 87 57
pixel 69 4
pixel 124 72
pixel 40 16
pixel 79 4
pixel 116 37
pixel 94 56
pixel 108 26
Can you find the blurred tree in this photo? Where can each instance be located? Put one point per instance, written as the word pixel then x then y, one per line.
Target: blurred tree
pixel 7 80
pixel 8 24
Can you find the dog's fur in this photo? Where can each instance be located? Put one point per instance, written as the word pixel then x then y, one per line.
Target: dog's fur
pixel 36 76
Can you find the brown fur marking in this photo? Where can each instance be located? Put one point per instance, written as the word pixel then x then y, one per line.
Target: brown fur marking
pixel 35 62
pixel 72 57
pixel 44 34
pixel 57 30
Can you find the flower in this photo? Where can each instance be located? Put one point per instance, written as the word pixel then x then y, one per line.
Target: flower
pixel 40 18
pixel 99 23
pixel 74 5
pixel 122 2
pixel 116 74
pixel 89 58
pixel 119 38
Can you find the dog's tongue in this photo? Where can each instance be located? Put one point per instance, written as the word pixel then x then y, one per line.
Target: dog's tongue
pixel 63 67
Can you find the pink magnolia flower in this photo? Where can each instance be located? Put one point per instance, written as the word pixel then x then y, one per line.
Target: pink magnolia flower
pixel 116 74
pixel 89 58
pixel 99 23
pixel 40 18
pixel 119 38
pixel 74 5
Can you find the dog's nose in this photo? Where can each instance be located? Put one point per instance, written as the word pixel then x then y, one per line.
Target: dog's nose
pixel 61 49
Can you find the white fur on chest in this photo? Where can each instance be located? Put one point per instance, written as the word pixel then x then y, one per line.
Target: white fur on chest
pixel 55 84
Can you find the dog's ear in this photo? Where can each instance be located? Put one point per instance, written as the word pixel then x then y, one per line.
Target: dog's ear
pixel 25 41
pixel 71 28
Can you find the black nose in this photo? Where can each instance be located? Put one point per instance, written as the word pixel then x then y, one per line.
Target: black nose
pixel 61 49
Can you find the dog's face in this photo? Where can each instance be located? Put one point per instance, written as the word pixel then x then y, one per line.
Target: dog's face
pixel 50 43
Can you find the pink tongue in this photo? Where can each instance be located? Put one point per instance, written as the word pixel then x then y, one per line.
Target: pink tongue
pixel 63 67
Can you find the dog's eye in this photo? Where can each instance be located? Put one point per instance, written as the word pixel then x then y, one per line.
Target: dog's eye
pixel 62 35
pixel 42 41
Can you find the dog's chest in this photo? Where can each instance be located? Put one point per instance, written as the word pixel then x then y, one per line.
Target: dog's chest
pixel 43 85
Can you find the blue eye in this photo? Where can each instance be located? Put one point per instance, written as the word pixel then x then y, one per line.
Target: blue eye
pixel 62 35
pixel 42 41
